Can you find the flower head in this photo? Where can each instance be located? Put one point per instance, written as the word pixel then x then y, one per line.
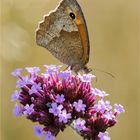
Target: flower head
pixel 18 110
pixel 64 116
pixel 49 136
pixel 33 70
pixel 35 88
pixel 79 124
pixel 79 106
pixel 64 74
pixel 104 136
pixel 29 109
pixel 23 82
pixel 16 72
pixel 15 95
pixel 56 99
pixel 108 115
pixel 102 106
pixel 60 98
pixel 38 130
pixel 55 109
pixel 118 108
pixel 86 77
pixel 100 93
pixel 52 69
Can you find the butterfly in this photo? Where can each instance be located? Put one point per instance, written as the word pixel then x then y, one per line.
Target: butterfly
pixel 63 32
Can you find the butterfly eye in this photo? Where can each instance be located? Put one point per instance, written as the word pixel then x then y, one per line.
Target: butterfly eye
pixel 72 15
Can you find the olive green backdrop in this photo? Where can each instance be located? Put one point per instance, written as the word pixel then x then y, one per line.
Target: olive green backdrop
pixel 113 32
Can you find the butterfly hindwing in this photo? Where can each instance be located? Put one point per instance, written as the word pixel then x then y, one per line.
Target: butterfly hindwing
pixel 59 34
pixel 64 33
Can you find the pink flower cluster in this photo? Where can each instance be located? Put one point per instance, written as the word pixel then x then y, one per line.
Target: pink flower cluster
pixel 57 99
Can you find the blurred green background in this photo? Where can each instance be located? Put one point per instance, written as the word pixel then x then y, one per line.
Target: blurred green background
pixel 113 32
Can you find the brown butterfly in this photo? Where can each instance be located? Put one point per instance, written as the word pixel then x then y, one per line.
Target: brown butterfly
pixel 64 33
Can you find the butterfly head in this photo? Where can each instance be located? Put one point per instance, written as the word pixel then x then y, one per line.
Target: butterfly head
pixel 74 11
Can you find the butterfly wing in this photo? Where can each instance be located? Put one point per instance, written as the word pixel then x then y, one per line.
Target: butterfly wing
pixel 60 35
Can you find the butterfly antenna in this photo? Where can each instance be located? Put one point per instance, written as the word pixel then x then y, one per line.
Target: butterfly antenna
pixel 104 72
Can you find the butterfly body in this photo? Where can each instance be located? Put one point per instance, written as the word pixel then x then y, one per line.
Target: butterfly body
pixel 64 33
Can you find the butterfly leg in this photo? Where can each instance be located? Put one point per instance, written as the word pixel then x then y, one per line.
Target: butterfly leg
pixel 68 68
